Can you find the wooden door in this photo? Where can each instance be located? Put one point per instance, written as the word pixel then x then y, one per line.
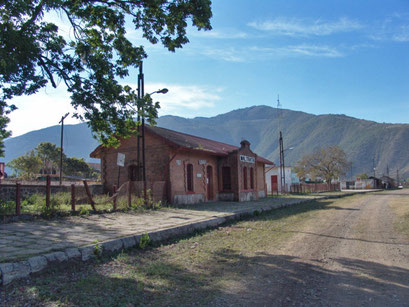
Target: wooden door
pixel 274 183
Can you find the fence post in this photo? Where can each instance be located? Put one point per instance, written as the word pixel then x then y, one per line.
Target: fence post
pixel 48 192
pixel 91 201
pixel 114 199
pixel 129 193
pixel 18 198
pixel 73 197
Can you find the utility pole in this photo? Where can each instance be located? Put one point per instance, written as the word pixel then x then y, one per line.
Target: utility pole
pixel 373 165
pixel 397 177
pixel 62 139
pixel 281 146
pixel 282 164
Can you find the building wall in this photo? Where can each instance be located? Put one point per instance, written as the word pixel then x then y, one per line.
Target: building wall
pixel 179 193
pixel 167 164
pixel 261 180
pixel 246 194
pixel 290 178
pixel 156 157
pixel 232 194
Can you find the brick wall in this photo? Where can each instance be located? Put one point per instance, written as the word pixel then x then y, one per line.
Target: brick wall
pixel 156 159
pixel 246 194
pixel 178 176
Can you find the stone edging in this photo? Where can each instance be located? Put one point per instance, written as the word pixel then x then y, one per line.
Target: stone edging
pixel 16 270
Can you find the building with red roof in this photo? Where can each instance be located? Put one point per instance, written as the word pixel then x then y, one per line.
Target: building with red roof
pixel 186 169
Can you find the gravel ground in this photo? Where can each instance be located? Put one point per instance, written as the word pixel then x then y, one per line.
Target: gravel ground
pixel 349 255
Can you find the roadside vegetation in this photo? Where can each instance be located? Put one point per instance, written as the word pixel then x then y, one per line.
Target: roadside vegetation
pixel 193 270
pixel 60 204
pixel 401 209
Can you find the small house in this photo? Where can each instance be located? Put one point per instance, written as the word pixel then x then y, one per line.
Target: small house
pixel 185 169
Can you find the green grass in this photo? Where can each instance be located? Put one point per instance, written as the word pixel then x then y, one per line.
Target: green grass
pixel 192 270
pixel 60 203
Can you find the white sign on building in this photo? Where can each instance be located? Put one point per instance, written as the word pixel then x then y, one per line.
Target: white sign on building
pixel 121 159
pixel 248 159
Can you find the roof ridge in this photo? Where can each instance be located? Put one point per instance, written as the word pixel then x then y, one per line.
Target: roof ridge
pixel 191 135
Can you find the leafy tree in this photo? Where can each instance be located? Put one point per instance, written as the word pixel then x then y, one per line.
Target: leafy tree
pixel 77 167
pixel 50 156
pixel 92 60
pixel 328 163
pixel 26 166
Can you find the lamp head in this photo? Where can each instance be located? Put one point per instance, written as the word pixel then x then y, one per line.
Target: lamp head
pixel 162 91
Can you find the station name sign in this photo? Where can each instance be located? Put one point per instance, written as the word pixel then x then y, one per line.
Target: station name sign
pixel 248 159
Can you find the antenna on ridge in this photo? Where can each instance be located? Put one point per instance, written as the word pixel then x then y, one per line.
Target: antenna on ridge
pixel 279 112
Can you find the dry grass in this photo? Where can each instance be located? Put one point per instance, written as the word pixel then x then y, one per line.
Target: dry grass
pixel 193 270
pixel 400 206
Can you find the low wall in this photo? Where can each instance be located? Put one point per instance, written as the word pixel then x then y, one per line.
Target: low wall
pixel 188 199
pixel 314 187
pixel 225 196
pixel 8 191
pixel 247 196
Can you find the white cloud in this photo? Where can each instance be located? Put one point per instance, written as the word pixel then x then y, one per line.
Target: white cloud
pixel 395 28
pixel 40 110
pixel 230 54
pixel 298 50
pixel 184 99
pixel 297 27
pixel 256 53
pixel 219 34
pixel 45 108
pixel 312 50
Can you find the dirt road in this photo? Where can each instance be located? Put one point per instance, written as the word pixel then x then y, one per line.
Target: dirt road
pixel 350 255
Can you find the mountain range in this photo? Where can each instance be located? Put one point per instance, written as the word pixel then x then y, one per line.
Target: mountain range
pixel 368 144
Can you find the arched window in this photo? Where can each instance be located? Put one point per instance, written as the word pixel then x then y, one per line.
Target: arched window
pixel 189 177
pixel 251 178
pixel 226 178
pixel 245 178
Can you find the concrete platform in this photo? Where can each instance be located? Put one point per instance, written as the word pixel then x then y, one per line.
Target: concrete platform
pixel 28 247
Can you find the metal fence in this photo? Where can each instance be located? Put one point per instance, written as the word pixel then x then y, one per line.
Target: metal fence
pixel 314 187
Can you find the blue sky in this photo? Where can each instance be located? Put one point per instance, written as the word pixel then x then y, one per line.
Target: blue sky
pixel 339 57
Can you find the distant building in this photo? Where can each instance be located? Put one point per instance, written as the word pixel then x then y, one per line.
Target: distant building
pixel 362 184
pixel 388 182
pixel 273 181
pixel 185 169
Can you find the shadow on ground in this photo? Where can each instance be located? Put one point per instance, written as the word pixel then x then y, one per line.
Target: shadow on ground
pixel 228 278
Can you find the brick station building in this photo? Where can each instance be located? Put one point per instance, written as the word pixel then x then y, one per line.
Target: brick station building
pixel 186 169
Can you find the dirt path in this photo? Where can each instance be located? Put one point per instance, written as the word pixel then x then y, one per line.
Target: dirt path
pixel 349 255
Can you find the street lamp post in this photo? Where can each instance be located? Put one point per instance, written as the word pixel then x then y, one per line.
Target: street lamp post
pixel 141 95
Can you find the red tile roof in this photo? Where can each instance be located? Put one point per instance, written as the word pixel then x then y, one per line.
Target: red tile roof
pixel 198 143
pixel 191 142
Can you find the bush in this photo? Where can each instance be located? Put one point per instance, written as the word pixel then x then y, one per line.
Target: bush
pixel 7 207
pixel 144 241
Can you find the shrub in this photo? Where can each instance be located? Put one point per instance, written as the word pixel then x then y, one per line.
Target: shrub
pixel 144 241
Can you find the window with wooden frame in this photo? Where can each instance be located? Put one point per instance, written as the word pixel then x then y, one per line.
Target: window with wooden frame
pixel 226 178
pixel 251 178
pixel 245 178
pixel 189 177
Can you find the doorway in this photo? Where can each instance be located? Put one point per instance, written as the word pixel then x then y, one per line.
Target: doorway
pixel 209 182
pixel 274 184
